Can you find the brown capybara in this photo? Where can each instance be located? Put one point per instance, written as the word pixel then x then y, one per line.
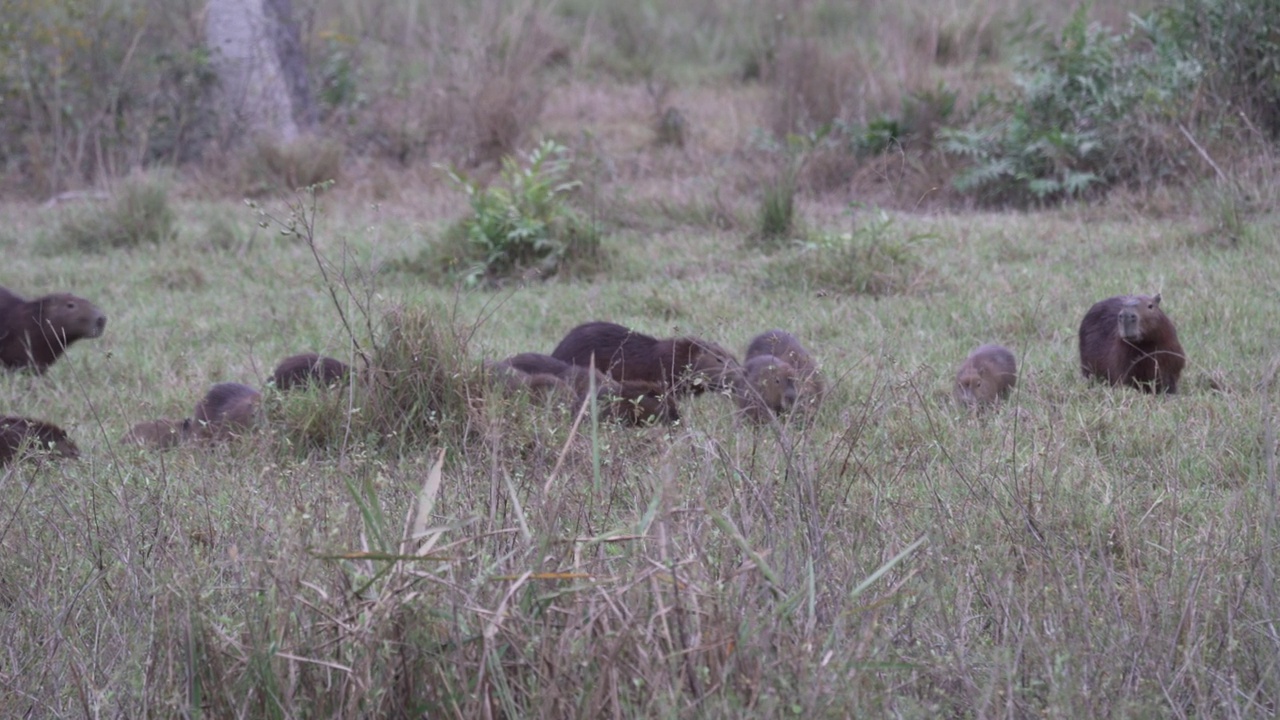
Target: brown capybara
pixel 787 348
pixel 35 333
pixel 770 389
pixel 1128 340
pixel 159 434
pixel 36 436
pixel 297 371
pixel 228 410
pixel 632 402
pixel 683 365
pixel 986 376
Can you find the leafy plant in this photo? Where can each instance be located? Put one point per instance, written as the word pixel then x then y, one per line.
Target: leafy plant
pixel 524 222
pixel 872 259
pixel 1080 120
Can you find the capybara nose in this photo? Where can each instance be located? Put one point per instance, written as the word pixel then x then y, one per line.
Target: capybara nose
pixel 99 325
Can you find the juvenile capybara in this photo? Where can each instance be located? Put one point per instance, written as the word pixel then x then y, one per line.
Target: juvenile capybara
pixel 1128 340
pixel 683 365
pixel 538 375
pixel 35 333
pixel 159 434
pixel 297 371
pixel 787 348
pixel 986 376
pixel 37 436
pixel 770 389
pixel 228 410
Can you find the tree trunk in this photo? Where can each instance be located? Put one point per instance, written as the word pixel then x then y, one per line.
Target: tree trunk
pixel 255 49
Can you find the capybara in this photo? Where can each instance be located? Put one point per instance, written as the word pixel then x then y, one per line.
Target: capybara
pixel 539 375
pixel 229 409
pixel 770 388
pixel 35 333
pixel 986 376
pixel 787 348
pixel 37 436
pixel 159 434
pixel 298 371
pixel 1128 340
pixel 632 402
pixel 683 365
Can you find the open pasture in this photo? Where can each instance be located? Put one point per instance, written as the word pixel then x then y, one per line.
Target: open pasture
pixel 1080 550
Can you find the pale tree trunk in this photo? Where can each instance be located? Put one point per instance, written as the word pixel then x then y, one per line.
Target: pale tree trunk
pixel 255 49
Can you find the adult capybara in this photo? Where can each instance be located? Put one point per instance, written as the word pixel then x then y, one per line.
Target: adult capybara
pixel 787 348
pixel 986 376
pixel 683 365
pixel 304 369
pixel 36 436
pixel 770 389
pixel 228 410
pixel 632 402
pixel 159 434
pixel 1128 340
pixel 35 333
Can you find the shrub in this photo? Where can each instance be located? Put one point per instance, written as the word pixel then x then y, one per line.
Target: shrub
pixel 873 259
pixel 1087 114
pixel 139 213
pixel 1237 44
pixel 524 222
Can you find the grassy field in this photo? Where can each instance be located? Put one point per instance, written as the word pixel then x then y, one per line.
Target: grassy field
pixel 1082 551
pixel 440 550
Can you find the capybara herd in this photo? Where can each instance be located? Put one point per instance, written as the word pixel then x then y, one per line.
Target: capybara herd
pixel 628 376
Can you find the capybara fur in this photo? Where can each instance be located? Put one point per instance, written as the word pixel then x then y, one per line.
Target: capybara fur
pixel 228 410
pixel 787 348
pixel 159 434
pixel 35 333
pixel 770 390
pixel 35 436
pixel 683 365
pixel 299 371
pixel 632 402
pixel 986 376
pixel 1128 340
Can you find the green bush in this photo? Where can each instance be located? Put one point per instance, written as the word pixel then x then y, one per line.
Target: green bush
pixel 1237 42
pixel 873 259
pixel 1092 109
pixel 138 214
pixel 522 223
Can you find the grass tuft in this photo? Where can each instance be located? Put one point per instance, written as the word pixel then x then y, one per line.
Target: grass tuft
pixel 138 213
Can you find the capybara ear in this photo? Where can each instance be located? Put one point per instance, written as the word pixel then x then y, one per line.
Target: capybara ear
pixel 1156 300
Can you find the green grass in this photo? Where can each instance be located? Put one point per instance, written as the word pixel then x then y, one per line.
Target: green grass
pixel 1088 551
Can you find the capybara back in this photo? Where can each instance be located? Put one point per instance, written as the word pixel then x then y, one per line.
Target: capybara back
pixel 304 369
pixel 685 365
pixel 227 410
pixel 37 437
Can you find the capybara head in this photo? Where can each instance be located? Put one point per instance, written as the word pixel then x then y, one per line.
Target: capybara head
pixel 707 366
pixel 1139 314
pixel 229 409
pixel 305 369
pixel 35 333
pixel 35 437
pixel 158 434
pixel 986 376
pixel 769 388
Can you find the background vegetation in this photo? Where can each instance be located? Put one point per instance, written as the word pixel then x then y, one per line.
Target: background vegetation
pixel 895 183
